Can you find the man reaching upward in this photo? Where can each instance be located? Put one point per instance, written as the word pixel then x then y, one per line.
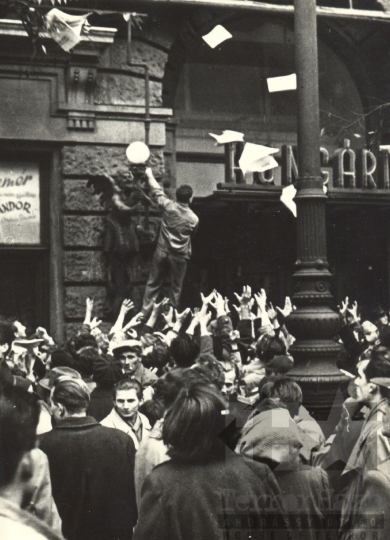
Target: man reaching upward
pixel 173 249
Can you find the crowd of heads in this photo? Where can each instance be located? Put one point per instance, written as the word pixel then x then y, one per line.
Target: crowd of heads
pixel 198 368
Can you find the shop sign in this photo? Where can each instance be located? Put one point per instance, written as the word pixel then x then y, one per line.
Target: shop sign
pixel 351 169
pixel 347 168
pixel 20 220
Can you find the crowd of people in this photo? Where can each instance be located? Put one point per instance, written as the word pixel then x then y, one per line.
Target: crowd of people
pixel 184 426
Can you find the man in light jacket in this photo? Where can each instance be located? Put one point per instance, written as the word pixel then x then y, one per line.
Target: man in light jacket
pixel 127 396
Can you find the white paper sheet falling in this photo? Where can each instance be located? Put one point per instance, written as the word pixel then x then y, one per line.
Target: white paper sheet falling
pixel 257 158
pixel 65 29
pixel 218 35
pixel 282 84
pixel 228 136
pixel 287 196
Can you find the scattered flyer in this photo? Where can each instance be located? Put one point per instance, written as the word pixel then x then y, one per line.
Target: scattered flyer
pixel 282 84
pixel 257 158
pixel 228 136
pixel 65 29
pixel 287 198
pixel 218 35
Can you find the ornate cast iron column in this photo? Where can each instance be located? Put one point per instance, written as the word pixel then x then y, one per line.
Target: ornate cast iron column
pixel 313 324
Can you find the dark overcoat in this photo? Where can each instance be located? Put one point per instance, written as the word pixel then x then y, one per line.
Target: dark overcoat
pixel 210 501
pixel 92 473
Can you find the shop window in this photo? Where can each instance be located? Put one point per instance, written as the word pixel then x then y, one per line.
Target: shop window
pixel 20 218
pixel 24 238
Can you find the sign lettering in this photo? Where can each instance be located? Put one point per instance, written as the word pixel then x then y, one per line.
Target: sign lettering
pixel 19 203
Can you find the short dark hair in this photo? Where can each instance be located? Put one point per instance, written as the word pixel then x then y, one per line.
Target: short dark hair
pixel 158 357
pixel 167 388
pixel 153 410
pixel 184 350
pixel 269 346
pixel 209 366
pixel 379 366
pixel 287 390
pixel 193 424
pixel 19 415
pixel 73 394
pixel 128 384
pixel 74 344
pixel 85 359
pixel 61 358
pixel 268 404
pixel 184 193
pixel 7 334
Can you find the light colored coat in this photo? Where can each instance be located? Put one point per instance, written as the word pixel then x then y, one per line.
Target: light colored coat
pixel 114 421
pixel 152 451
pixel 370 453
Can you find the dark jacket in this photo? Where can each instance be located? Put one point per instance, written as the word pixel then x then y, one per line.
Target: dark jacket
pixel 100 404
pixel 92 473
pixel 194 501
pixel 308 501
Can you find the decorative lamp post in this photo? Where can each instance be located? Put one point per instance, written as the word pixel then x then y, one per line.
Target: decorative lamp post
pixel 314 324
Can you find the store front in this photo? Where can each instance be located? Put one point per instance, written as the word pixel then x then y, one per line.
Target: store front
pixel 255 241
pixel 24 237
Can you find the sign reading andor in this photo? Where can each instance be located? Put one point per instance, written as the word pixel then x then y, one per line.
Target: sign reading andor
pixel 19 203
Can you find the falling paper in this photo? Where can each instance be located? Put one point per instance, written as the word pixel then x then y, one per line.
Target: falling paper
pixel 65 29
pixel 287 196
pixel 217 36
pixel 325 185
pixel 347 373
pixel 228 136
pixel 257 158
pixel 282 84
pixel 357 135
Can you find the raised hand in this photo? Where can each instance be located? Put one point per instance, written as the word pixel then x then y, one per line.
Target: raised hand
pixel 261 301
pixel 133 322
pixel 206 301
pixel 95 323
pixel 194 323
pixel 158 307
pixel 288 307
pixel 354 311
pixel 169 317
pixel 271 312
pixel 127 305
pixel 89 305
pixel 180 317
pixel 246 296
pixel 88 310
pixel 344 307
pixel 218 304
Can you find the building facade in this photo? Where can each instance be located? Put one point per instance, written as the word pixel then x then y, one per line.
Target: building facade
pixel 66 119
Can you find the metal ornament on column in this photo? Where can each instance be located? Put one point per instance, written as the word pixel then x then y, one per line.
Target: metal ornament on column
pixel 314 324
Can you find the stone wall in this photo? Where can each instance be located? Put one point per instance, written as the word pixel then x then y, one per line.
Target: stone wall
pixel 83 216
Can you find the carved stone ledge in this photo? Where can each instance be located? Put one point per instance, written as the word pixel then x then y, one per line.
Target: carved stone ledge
pixel 81 122
pixel 91 45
